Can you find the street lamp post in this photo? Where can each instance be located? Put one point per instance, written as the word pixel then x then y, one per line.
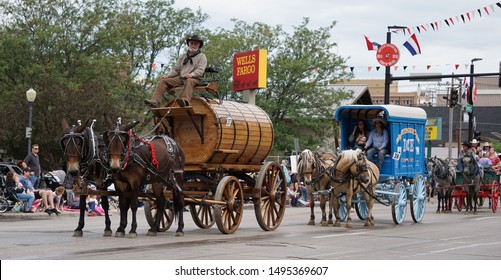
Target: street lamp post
pixel 470 100
pixel 31 95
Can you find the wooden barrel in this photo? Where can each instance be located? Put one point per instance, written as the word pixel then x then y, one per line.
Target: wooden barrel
pixel 212 133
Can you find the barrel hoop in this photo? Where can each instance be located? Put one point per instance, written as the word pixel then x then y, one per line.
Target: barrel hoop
pixel 248 136
pixel 220 127
pixel 260 137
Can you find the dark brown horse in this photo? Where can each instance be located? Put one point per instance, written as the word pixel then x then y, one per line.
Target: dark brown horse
pixel 135 162
pixel 86 159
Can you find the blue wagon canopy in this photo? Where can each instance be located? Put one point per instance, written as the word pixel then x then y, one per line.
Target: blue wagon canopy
pixel 406 129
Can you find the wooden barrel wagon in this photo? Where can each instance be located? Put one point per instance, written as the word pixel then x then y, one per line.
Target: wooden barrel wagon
pixel 489 188
pixel 402 175
pixel 225 146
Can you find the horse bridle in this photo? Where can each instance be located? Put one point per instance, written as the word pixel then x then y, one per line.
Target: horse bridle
pixel 118 135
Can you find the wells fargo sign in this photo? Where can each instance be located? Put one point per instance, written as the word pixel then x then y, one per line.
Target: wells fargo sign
pixel 249 70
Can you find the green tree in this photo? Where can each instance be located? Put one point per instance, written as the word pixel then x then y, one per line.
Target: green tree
pixel 80 56
pixel 299 66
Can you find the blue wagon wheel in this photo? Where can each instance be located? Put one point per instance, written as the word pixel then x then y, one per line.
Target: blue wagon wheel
pixel 399 204
pixel 4 205
pixel 361 207
pixel 343 213
pixel 418 199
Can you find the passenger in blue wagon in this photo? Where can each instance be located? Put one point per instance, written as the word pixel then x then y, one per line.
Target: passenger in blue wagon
pixel 358 137
pixel 378 142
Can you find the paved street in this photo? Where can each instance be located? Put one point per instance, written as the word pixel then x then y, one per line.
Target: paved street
pixel 454 236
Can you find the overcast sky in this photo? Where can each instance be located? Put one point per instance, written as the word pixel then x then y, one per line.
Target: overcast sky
pixel 441 50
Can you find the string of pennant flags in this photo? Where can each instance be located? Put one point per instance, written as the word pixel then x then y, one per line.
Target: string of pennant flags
pixel 403 67
pixel 412 44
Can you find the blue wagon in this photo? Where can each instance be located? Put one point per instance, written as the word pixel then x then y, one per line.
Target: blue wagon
pixel 404 168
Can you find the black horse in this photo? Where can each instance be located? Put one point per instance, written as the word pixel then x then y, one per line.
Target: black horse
pixel 135 162
pixel 443 175
pixel 472 175
pixel 86 158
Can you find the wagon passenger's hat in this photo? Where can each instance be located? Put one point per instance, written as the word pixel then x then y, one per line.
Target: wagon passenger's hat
pixel 195 38
pixel 474 141
pixel 467 144
pixel 381 120
pixel 487 144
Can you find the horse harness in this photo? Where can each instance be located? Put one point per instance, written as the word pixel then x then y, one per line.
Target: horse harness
pixel 88 152
pixel 133 142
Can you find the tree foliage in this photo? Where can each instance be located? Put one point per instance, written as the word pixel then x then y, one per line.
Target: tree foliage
pixel 87 57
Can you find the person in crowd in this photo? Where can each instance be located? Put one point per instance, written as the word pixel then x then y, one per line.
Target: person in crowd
pixel 485 161
pixel 486 149
pixel 15 189
pixel 494 159
pixel 58 198
pixel 286 172
pixel 378 142
pixel 474 147
pixel 46 195
pixel 293 194
pixel 187 72
pixel 91 205
pixel 358 137
pixel 33 162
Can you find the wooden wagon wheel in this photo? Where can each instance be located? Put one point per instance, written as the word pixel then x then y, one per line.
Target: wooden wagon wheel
pixel 271 187
pixel 494 195
pixel 150 211
pixel 202 215
pixel 229 215
pixel 418 199
pixel 399 204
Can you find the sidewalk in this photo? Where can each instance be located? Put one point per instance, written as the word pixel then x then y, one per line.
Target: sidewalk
pixel 43 215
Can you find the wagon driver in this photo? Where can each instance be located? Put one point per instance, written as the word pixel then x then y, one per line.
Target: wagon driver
pixel 187 72
pixel 378 142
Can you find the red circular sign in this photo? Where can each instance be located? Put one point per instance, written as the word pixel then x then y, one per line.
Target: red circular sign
pixel 387 55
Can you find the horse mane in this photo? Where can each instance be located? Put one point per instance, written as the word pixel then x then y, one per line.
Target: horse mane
pixel 306 155
pixel 349 154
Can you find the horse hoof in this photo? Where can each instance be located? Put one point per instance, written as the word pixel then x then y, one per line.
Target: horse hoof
pixel 119 234
pixel 311 223
pixel 179 234
pixel 77 233
pixel 349 226
pixel 132 235
pixel 151 233
pixel 107 233
pixel 337 224
pixel 330 222
pixel 324 224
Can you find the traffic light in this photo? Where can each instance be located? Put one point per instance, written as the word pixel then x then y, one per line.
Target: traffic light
pixel 477 134
pixel 454 98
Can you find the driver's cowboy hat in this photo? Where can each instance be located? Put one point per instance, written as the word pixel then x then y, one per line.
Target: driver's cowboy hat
pixel 195 38
pixel 381 120
pixel 474 141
